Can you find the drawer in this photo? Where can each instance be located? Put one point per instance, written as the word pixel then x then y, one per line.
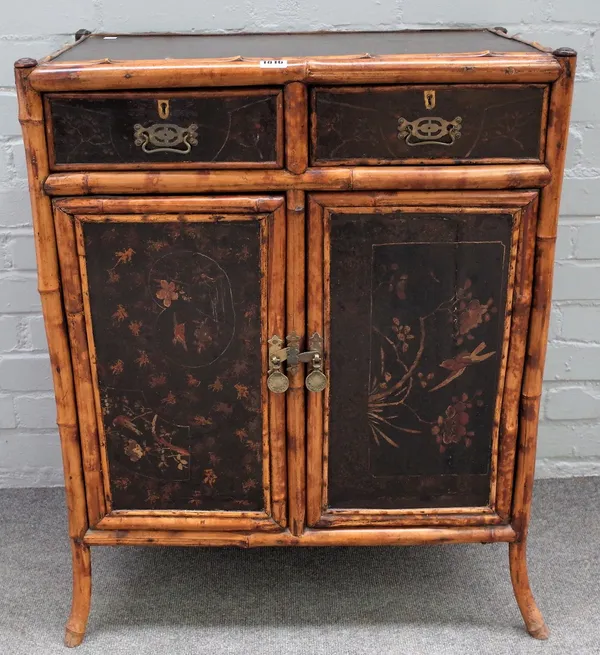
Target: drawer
pixel 443 124
pixel 195 129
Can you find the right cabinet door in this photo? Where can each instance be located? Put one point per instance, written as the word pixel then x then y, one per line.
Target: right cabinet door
pixel 423 301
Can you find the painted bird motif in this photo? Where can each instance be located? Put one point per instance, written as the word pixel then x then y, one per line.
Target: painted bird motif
pixel 126 423
pixel 167 444
pixel 179 333
pixel 458 365
pixel 163 442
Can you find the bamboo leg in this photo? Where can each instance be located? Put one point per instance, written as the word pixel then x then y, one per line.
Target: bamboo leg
pixel 31 116
pixel 82 594
pixel 558 122
pixel 534 621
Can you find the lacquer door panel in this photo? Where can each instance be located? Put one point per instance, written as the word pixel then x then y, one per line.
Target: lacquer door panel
pixel 178 297
pixel 418 292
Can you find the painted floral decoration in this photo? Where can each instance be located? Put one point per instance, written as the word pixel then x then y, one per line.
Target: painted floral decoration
pixel 178 340
pixel 398 373
pixel 451 428
pixel 167 293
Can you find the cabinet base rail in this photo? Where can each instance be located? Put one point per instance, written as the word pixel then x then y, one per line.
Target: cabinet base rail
pixel 82 588
pixel 358 537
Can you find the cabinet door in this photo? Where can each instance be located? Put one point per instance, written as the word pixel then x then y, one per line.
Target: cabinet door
pixel 173 301
pixel 423 304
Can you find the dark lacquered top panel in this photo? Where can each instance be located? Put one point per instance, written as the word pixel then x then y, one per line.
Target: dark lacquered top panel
pixel 276 46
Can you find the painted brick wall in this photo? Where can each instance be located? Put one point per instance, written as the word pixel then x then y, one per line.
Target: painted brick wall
pixel 570 429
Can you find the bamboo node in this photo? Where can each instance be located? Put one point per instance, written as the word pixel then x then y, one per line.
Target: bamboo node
pixel 26 62
pixel 564 52
pixel 31 121
pixel 70 426
pixel 81 33
pixel 531 397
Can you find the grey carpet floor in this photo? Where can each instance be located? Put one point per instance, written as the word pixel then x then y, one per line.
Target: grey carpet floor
pixel 350 601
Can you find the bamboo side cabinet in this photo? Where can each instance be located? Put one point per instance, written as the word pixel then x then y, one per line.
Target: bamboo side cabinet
pixel 297 287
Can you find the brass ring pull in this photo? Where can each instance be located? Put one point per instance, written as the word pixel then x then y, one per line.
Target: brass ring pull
pixel 166 137
pixel 316 380
pixel 277 381
pixel 429 130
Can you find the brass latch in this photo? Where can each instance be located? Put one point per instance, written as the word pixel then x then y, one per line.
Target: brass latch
pixel 277 381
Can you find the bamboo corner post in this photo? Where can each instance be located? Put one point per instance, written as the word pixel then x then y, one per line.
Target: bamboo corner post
pixel 31 117
pixel 558 121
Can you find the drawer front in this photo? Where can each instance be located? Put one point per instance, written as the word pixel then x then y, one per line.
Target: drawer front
pixel 428 124
pixel 216 129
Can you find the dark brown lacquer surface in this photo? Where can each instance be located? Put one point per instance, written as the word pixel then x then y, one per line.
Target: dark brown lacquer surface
pixel 276 46
pixel 363 125
pixel 176 323
pixel 241 127
pixel 418 304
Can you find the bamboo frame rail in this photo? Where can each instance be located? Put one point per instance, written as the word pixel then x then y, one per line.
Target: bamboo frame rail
pixel 200 204
pixel 360 537
pixel 523 292
pixel 485 66
pixel 295 323
pixel 132 521
pixel 275 301
pixel 296 127
pixel 432 178
pixel 314 405
pixel 80 355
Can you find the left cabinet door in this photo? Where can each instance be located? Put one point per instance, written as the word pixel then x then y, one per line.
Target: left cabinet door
pixel 170 304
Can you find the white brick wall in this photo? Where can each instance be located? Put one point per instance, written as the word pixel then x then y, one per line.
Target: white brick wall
pixel 570 426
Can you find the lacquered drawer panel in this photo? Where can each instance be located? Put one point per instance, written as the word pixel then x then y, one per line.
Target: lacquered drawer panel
pixel 428 124
pixel 200 129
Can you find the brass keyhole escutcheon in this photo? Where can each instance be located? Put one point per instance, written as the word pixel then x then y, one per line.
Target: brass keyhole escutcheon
pixel 429 96
pixel 164 109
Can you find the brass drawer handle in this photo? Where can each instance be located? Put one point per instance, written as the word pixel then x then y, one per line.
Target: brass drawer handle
pixel 429 130
pixel 165 137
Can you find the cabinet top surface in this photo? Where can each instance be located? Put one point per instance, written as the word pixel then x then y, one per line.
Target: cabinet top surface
pixel 277 46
